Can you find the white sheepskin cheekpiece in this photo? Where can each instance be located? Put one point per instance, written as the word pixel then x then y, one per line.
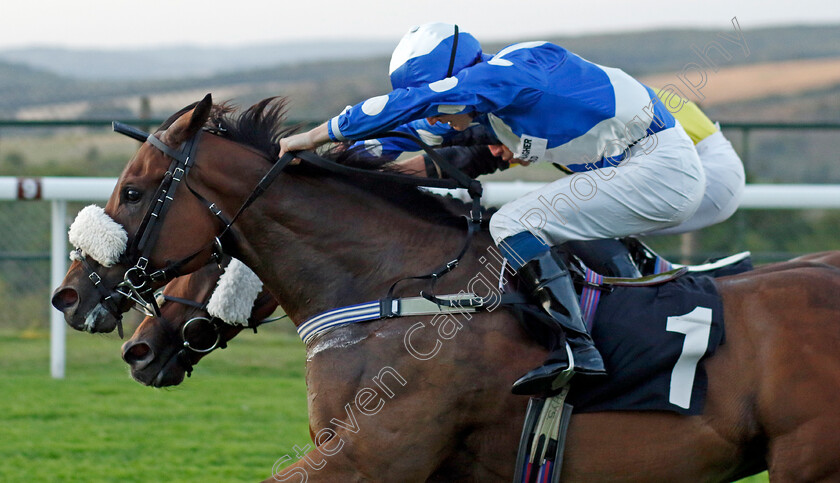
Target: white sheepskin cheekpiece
pixel 98 235
pixel 235 293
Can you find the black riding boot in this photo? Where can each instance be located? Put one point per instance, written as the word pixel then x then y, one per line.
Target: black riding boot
pixel 608 257
pixel 548 279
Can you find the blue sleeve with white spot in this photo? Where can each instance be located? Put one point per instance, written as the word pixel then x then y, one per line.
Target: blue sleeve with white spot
pixel 475 89
pixel 391 147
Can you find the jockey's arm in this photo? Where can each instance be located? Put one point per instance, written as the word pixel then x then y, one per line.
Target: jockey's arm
pixel 401 106
pixel 305 141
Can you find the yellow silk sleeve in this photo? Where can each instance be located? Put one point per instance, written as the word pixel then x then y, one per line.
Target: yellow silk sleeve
pixel 693 120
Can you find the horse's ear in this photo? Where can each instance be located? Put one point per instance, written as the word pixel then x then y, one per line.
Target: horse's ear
pixel 187 125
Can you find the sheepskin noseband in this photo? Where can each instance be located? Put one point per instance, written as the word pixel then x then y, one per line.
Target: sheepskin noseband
pixel 235 294
pixel 98 236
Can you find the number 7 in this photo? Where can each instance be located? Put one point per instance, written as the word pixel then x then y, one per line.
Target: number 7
pixel 697 326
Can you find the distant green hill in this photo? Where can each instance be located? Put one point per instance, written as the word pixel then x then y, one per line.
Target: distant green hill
pixel 21 85
pixel 191 61
pixel 670 50
pixel 319 89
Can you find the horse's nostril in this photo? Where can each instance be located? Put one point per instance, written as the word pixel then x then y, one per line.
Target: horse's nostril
pixel 64 298
pixel 137 354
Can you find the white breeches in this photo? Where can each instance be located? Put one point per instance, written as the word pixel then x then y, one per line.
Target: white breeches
pixel 724 185
pixel 646 192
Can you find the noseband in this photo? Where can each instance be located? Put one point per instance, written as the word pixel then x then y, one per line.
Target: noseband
pixel 143 242
pixel 136 278
pixel 137 282
pixel 201 324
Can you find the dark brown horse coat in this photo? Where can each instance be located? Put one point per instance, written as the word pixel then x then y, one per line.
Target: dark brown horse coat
pixel 437 407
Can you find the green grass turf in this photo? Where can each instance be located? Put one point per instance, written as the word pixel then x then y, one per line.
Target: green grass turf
pixel 243 409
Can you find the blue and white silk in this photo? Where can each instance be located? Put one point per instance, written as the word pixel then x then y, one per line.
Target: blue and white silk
pixel 542 101
pixel 396 148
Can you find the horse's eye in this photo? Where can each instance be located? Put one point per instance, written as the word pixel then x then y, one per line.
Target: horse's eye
pixel 132 195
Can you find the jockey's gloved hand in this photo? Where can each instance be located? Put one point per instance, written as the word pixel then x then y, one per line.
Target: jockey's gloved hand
pixel 472 160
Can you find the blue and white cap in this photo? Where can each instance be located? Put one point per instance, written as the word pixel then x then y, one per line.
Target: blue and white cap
pixel 431 52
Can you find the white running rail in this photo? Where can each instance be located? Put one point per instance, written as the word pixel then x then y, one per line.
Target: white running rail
pixel 60 190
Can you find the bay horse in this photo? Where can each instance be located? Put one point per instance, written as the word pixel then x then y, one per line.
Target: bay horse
pixel 164 349
pixel 379 412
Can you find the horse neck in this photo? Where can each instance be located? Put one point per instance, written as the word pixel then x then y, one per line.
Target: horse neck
pixel 331 245
pixel 319 243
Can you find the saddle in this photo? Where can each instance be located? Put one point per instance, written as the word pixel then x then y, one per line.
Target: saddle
pixel 542 442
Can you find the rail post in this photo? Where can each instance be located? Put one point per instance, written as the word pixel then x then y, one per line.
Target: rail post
pixel 58 264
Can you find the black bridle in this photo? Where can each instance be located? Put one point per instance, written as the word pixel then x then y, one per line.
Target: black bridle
pixel 203 323
pixel 214 323
pixel 137 284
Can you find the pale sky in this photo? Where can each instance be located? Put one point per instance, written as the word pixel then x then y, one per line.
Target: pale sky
pixel 111 24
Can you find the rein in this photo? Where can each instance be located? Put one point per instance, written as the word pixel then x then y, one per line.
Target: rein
pixel 201 322
pixel 136 284
pixel 217 324
pixel 457 180
pixel 137 281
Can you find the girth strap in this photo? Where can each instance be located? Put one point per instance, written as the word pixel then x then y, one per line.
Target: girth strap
pixel 183 158
pixel 385 308
pixel 434 275
pixel 492 300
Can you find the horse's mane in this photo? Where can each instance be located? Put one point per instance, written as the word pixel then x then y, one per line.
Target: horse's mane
pixel 262 125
